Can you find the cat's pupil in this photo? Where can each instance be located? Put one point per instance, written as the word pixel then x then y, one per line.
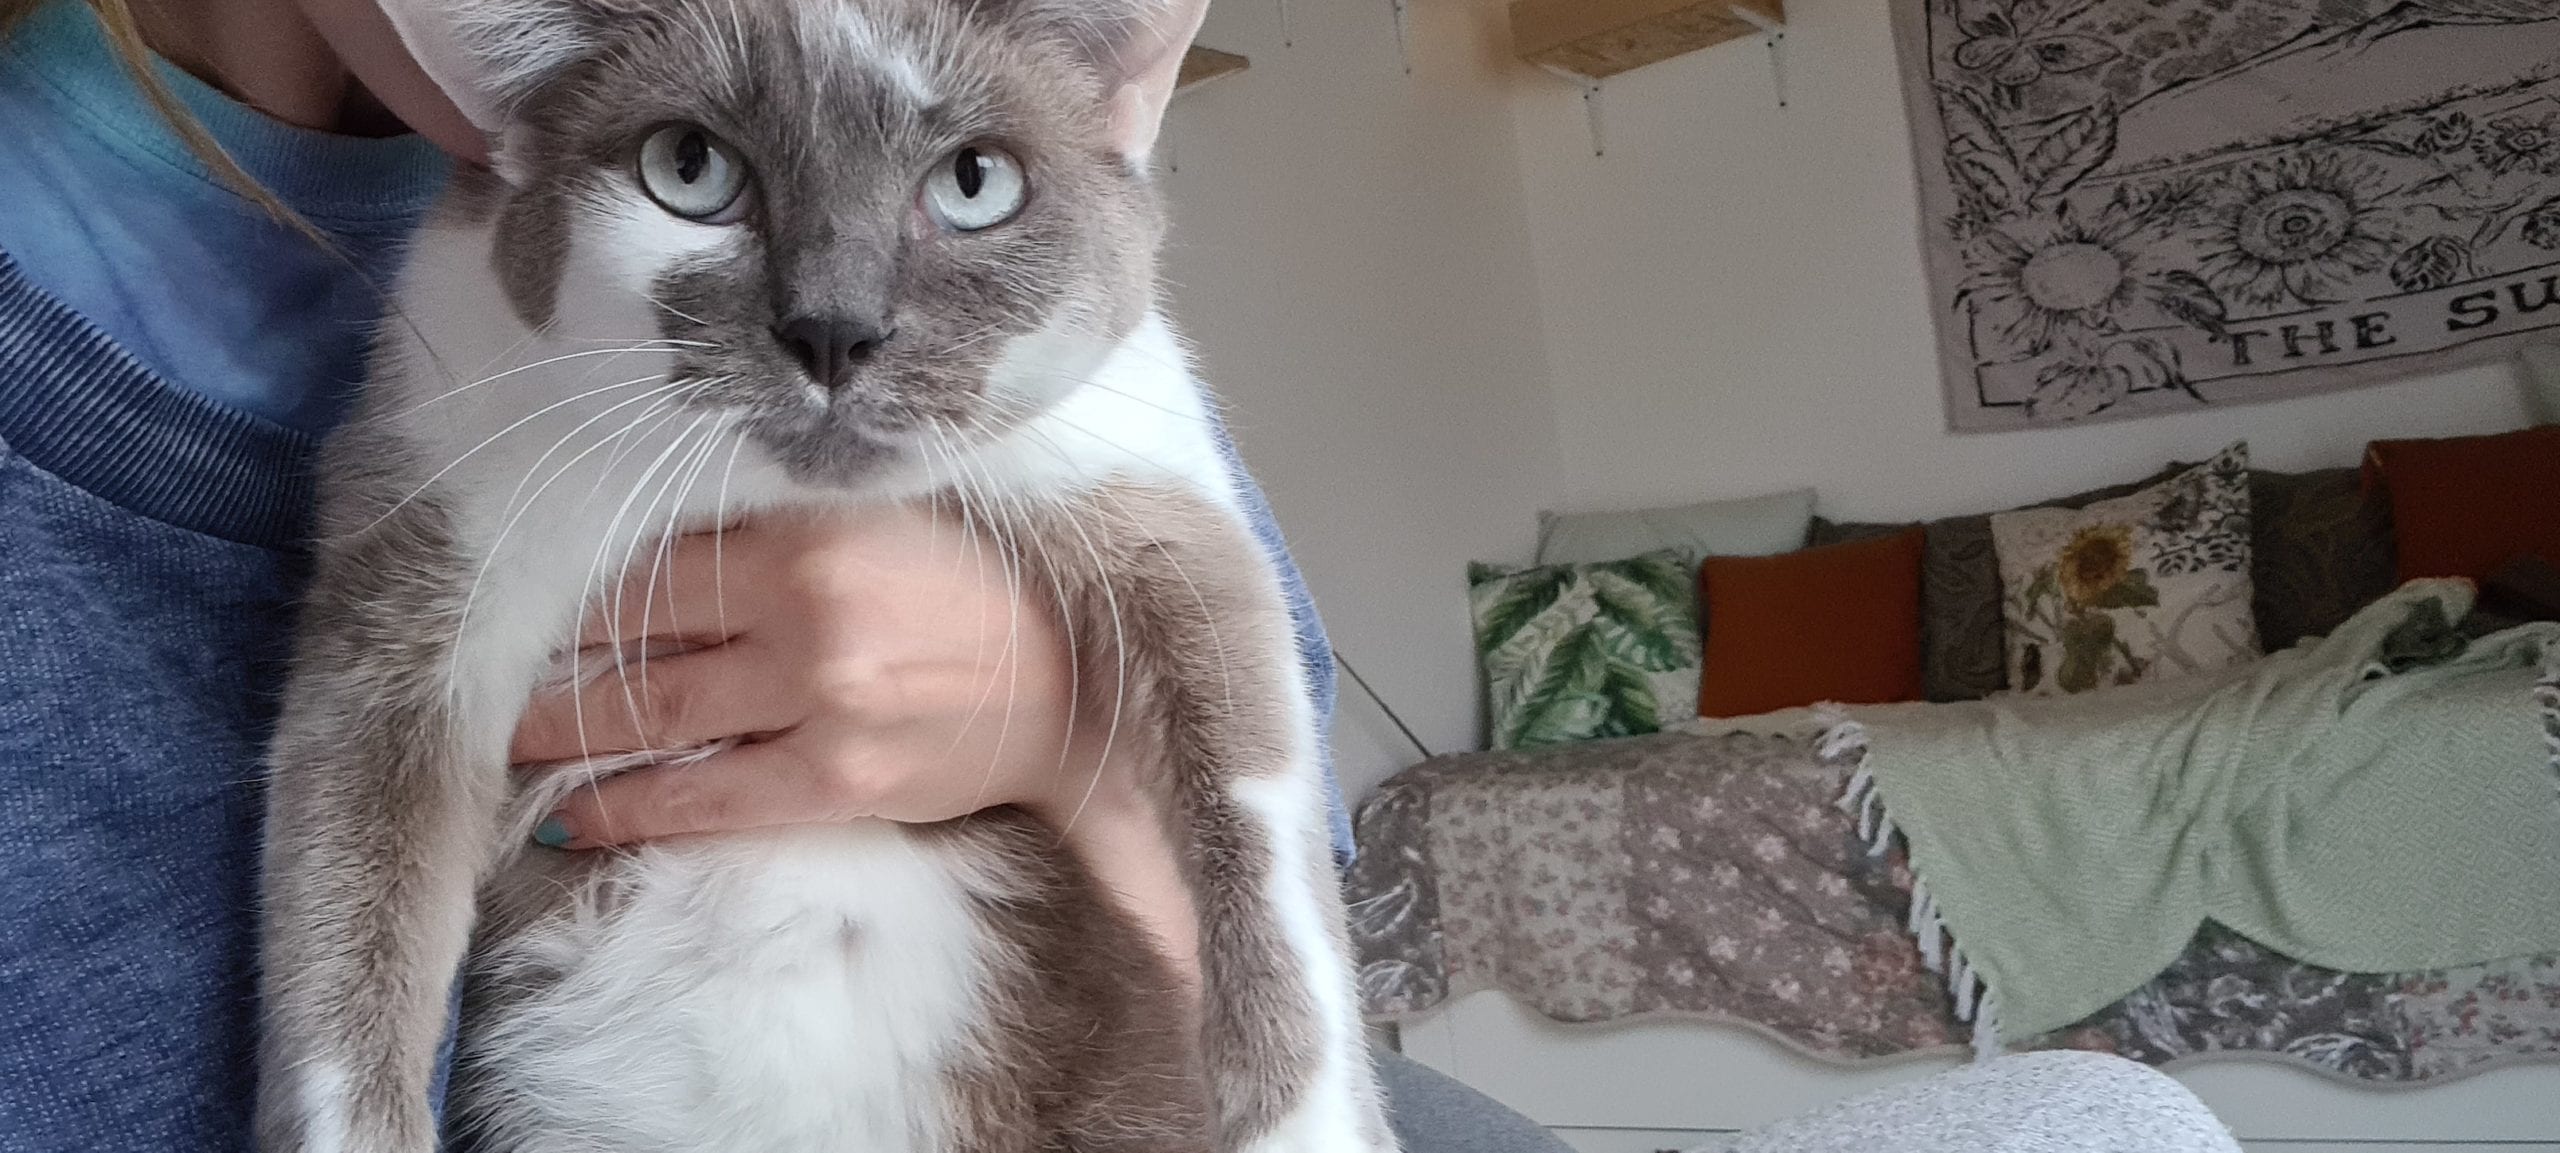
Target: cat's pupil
pixel 969 170
pixel 693 154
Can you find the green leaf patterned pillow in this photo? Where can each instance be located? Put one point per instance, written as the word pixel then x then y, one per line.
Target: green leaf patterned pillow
pixel 1577 651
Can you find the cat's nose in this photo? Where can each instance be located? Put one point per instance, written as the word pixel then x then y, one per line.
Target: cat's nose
pixel 828 347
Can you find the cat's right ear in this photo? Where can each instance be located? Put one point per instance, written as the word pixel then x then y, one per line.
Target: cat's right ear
pixel 1141 59
pixel 486 55
pixel 1135 48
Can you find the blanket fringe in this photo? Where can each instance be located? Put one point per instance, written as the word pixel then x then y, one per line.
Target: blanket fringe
pixel 1843 739
pixel 2547 694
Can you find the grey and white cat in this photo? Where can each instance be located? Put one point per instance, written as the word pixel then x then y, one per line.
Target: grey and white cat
pixel 745 256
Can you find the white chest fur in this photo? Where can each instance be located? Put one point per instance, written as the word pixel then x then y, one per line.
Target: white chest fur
pixel 792 991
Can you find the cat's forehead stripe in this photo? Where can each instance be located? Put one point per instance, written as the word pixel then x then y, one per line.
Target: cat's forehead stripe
pixel 847 28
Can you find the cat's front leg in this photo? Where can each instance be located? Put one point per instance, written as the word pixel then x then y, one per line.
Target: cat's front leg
pixel 1336 1103
pixel 379 825
pixel 1208 659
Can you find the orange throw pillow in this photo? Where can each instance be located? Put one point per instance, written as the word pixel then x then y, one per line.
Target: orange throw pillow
pixel 1836 623
pixel 2466 505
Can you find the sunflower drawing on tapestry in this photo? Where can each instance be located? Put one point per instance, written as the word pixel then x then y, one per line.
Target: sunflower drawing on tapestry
pixel 2063 278
pixel 2064 605
pixel 2300 229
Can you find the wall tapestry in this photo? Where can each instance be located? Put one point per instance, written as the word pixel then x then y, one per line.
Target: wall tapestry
pixel 2132 207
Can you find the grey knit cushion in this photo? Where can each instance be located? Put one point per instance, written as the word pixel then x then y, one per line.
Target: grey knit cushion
pixel 2050 1102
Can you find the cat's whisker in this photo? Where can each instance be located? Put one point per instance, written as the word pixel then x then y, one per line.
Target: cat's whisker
pixel 1119 663
pixel 1199 600
pixel 977 555
pixel 1067 512
pixel 496 548
pixel 1178 365
pixel 1075 381
pixel 679 313
pixel 645 341
pixel 1008 558
pixel 618 582
pixel 974 337
pixel 622 451
pixel 697 461
pixel 509 508
pixel 1226 672
pixel 578 676
pixel 1067 626
pixel 719 537
pixel 1107 442
pixel 692 464
pixel 590 590
pixel 493 438
pixel 701 27
pixel 622 349
pixel 513 349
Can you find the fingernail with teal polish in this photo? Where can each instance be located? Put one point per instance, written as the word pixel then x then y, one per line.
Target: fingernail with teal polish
pixel 551 833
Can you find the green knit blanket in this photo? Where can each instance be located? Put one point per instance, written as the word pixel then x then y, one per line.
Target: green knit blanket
pixel 2384 799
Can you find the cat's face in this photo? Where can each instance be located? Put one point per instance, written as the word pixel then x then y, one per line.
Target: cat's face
pixel 867 228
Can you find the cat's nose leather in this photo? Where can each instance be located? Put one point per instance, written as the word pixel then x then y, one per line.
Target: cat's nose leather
pixel 829 347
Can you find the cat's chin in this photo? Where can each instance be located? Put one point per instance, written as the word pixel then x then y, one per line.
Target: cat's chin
pixel 838 458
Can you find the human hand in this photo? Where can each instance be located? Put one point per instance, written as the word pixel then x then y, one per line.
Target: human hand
pixel 877 663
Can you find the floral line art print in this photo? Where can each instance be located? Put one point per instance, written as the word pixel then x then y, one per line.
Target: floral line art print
pixel 2133 207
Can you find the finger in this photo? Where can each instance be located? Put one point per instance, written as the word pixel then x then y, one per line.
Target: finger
pixel 749 787
pixel 663 703
pixel 702 591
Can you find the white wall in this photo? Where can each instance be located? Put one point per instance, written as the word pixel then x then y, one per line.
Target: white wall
pixel 1734 303
pixel 1348 255
pixel 1434 312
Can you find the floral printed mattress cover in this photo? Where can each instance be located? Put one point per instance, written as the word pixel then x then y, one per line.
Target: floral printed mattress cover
pixel 1713 875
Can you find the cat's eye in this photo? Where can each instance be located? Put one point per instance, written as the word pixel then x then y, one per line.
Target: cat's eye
pixel 977 187
pixel 692 173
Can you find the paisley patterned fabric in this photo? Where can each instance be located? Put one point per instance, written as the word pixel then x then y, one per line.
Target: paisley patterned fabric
pixel 1713 877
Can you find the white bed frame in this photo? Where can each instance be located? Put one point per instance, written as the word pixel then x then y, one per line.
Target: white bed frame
pixel 1647 1086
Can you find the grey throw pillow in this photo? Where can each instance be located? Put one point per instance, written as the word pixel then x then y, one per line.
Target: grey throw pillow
pixel 1751 526
pixel 2322 549
pixel 1827 532
pixel 1962 653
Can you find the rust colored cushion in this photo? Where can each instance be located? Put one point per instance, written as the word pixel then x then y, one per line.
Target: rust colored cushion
pixel 1836 623
pixel 2465 506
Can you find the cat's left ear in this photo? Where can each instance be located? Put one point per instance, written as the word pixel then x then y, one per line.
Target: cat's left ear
pixel 1141 65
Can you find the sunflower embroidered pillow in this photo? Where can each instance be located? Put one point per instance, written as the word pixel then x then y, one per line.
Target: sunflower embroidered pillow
pixel 2144 587
pixel 1572 652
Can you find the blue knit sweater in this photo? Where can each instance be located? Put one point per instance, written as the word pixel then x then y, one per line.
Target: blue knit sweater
pixel 150 509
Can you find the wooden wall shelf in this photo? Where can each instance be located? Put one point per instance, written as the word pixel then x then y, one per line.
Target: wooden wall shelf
pixel 1202 65
pixel 1596 38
